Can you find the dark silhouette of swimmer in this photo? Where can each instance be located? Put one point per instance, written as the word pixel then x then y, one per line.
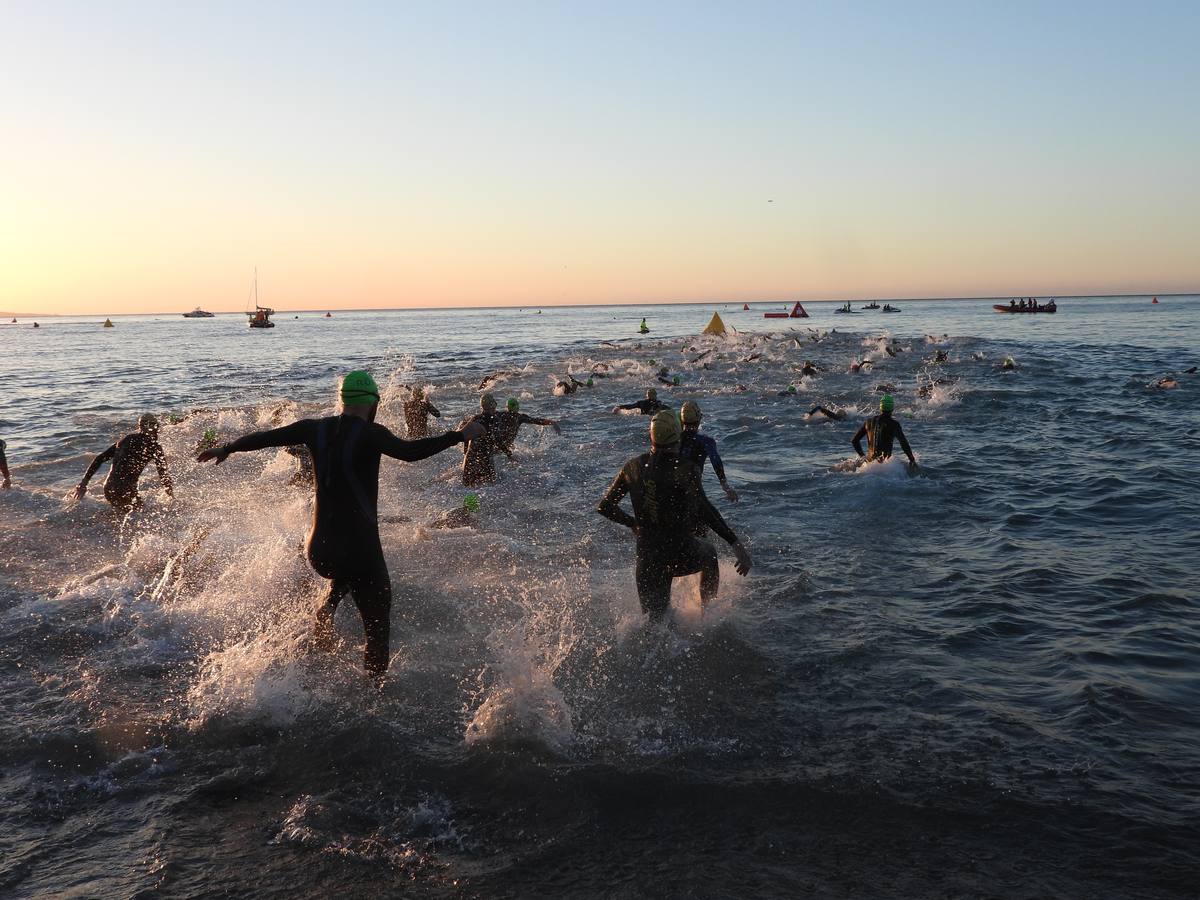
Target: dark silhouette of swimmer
pixel 512 419
pixel 478 467
pixel 130 455
pixel 880 431
pixel 668 507
pixel 7 483
pixel 836 415
pixel 417 410
pixel 343 543
pixel 646 407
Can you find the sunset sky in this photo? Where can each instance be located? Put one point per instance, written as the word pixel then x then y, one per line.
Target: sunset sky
pixel 380 155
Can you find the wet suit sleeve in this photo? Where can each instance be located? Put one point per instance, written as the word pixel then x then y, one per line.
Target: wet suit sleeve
pixel 637 405
pixel 97 463
pixel 160 462
pixel 857 439
pixel 530 420
pixel 3 462
pixel 710 517
pixel 432 410
pixel 610 503
pixel 297 433
pixel 411 451
pixel 904 444
pixel 719 467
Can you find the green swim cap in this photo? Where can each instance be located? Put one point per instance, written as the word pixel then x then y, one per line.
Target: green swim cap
pixel 791 389
pixel 359 389
pixel 886 403
pixel 513 404
pixel 676 380
pixel 210 434
pixel 471 502
pixel 589 382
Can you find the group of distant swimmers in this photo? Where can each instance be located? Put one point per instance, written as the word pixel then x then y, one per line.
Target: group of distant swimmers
pixel 340 458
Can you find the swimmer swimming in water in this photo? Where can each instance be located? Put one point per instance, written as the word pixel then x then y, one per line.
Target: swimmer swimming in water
pixel 836 415
pixel 130 456
pixel 343 542
pixel 668 505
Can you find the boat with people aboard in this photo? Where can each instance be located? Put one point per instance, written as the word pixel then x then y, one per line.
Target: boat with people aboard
pixel 261 317
pixel 199 313
pixel 871 305
pixel 1027 305
pixel 845 308
pixel 887 307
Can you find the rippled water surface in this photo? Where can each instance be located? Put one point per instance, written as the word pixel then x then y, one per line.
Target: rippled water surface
pixel 980 680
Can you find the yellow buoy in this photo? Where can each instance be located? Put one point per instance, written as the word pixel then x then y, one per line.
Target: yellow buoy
pixel 715 325
pixel 108 323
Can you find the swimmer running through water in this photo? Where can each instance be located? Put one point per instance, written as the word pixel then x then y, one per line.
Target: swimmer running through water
pixel 668 506
pixel 417 410
pixel 343 542
pixel 880 431
pixel 512 419
pixel 130 456
pixel 646 407
pixel 696 447
pixel 7 483
pixel 478 467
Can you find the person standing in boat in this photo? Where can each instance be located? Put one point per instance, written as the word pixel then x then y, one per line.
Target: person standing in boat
pixel 343 541
pixel 880 432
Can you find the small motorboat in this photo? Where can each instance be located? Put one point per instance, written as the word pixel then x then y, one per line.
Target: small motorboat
pixel 887 307
pixel 870 306
pixel 199 313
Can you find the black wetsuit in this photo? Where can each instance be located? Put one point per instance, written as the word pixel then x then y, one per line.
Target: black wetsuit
pixel 510 423
pixel 416 417
pixel 646 407
pixel 343 544
pixel 880 431
pixel 130 456
pixel 668 505
pixel 478 467
pixel 4 476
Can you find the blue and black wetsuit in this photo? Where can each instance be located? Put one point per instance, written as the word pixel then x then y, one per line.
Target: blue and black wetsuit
pixel 343 544
pixel 696 448
pixel 668 505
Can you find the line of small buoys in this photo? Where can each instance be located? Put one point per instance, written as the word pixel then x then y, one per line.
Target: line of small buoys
pixel 108 323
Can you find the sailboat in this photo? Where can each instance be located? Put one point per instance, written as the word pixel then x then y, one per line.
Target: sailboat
pixel 261 317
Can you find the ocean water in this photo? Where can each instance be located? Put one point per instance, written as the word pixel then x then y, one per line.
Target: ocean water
pixel 977 681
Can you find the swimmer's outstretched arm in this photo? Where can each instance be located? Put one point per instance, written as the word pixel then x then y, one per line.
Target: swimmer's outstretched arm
pixel 610 503
pixel 719 468
pixel 858 437
pixel 297 433
pixel 100 460
pixel 411 451
pixel 635 405
pixel 432 410
pixel 530 420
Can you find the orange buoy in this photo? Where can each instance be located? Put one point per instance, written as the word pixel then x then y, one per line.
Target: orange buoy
pixel 1155 300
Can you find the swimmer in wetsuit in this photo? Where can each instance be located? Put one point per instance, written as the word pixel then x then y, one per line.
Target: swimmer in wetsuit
pixel 417 411
pixel 130 455
pixel 668 505
pixel 696 447
pixel 646 407
pixel 7 483
pixel 512 419
pixel 880 431
pixel 478 467
pixel 836 414
pixel 343 543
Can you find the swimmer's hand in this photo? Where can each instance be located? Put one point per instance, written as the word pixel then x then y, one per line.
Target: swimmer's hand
pixel 219 454
pixel 471 431
pixel 80 490
pixel 730 492
pixel 743 562
pixel 7 484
